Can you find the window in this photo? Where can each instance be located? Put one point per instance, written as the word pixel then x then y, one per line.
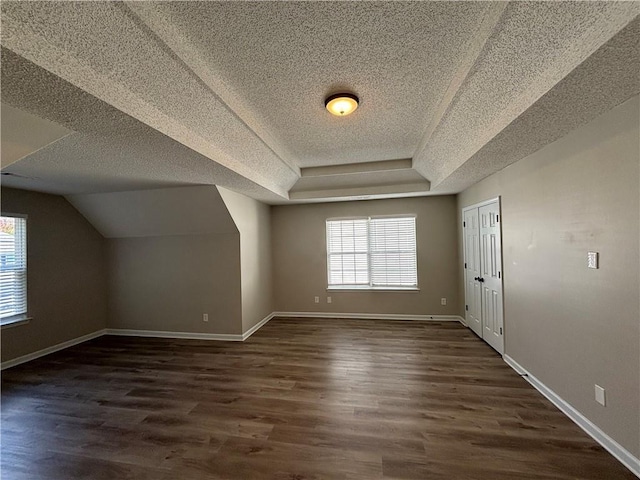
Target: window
pixel 377 252
pixel 13 267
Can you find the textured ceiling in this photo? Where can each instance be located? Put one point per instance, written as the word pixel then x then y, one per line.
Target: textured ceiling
pixel 609 77
pixel 518 65
pixel 108 151
pixel 101 48
pixel 231 93
pixel 395 56
pixel 330 186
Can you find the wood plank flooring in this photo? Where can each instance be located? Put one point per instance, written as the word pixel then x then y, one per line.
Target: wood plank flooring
pixel 302 399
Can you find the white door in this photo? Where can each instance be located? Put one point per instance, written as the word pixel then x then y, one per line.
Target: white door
pixel 491 275
pixel 483 273
pixel 473 313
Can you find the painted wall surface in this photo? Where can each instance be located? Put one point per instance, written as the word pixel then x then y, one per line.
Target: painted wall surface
pixel 66 274
pixel 300 258
pixel 173 255
pixel 167 283
pixel 253 220
pixel 570 326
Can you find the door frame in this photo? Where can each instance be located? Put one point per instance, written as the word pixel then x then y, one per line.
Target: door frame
pixel 485 202
pixel 477 206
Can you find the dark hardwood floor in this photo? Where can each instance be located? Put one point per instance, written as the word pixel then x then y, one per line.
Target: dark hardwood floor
pixel 301 399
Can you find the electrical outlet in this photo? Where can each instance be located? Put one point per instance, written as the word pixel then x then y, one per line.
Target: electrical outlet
pixel 600 397
pixel 205 317
pixel 443 301
pixel 316 299
pixel 328 299
pixel 593 260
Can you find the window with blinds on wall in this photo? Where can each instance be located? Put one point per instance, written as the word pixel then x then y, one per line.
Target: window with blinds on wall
pixel 374 252
pixel 13 267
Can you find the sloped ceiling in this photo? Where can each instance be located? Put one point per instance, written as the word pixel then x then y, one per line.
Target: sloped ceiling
pixel 23 134
pixel 156 212
pixel 231 93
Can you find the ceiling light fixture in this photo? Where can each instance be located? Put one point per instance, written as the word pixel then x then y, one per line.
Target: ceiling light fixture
pixel 341 104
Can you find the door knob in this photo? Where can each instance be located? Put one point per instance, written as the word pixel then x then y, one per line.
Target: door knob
pixel 477 279
pixel 480 279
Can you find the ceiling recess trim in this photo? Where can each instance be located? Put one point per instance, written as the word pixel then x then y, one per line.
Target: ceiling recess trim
pixel 420 188
pixel 355 168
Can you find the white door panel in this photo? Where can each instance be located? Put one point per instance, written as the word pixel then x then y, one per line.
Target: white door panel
pixel 492 329
pixel 473 301
pixel 483 273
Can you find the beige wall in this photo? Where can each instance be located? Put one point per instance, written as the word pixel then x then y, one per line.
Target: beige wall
pixel 173 255
pixel 253 220
pixel 167 283
pixel 300 264
pixel 66 274
pixel 570 326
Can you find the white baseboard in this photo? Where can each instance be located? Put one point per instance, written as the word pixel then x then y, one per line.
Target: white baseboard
pixel 613 447
pixel 225 337
pixel 52 349
pixel 257 326
pixel 125 332
pixel 370 316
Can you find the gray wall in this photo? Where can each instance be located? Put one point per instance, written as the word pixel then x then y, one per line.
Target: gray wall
pixel 570 326
pixel 300 264
pixel 173 255
pixel 66 276
pixel 166 283
pixel 253 220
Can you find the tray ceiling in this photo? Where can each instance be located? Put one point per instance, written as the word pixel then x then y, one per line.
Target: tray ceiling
pixel 231 93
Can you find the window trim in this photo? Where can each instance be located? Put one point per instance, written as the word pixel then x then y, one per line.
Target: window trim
pixel 15 320
pixel 19 318
pixel 370 287
pixel 367 288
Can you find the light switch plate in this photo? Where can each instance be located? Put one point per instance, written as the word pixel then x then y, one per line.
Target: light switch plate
pixel 592 259
pixel 600 398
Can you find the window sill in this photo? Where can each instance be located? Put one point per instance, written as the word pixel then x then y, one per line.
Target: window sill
pixel 14 321
pixel 374 289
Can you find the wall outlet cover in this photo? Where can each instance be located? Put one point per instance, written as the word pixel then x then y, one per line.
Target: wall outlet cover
pixel 592 259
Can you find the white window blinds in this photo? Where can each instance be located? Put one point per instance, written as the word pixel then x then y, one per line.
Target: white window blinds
pixel 372 252
pixel 13 266
pixel 348 252
pixel 393 251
